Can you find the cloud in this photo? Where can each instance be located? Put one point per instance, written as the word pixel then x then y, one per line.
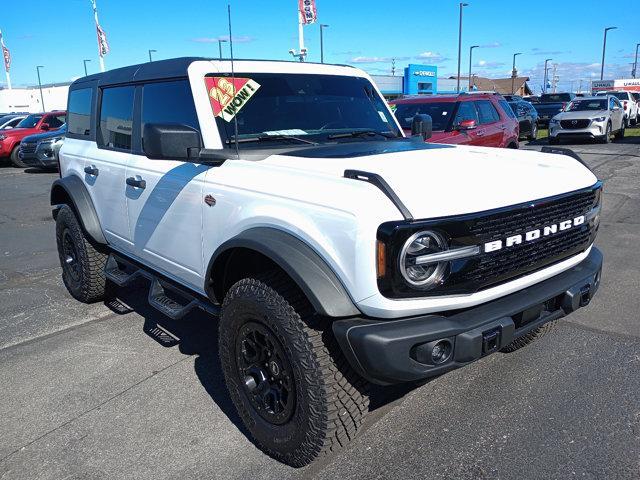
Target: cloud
pixel 224 38
pixel 491 45
pixel 433 57
pixel 539 51
pixel 348 52
pixel 489 65
pixel 376 59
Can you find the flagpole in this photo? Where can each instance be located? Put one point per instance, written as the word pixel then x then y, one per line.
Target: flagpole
pixel 2 47
pixel 95 16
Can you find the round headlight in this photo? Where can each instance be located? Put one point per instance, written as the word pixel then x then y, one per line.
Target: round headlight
pixel 418 274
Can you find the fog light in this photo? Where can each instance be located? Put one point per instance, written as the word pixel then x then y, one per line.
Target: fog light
pixel 441 352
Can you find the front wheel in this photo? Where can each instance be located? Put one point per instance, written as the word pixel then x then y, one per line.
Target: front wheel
pixel 620 133
pixel 15 158
pixel 606 138
pixel 534 132
pixel 286 376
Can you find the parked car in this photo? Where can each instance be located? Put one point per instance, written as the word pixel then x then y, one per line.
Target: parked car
pixel 513 98
pixel 10 120
pixel 41 150
pixel 34 123
pixel 595 118
pixel 332 251
pixel 629 105
pixel 550 105
pixel 531 99
pixel 527 118
pixel 483 119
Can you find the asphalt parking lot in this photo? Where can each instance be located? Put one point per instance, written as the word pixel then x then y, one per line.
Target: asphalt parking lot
pixel 89 392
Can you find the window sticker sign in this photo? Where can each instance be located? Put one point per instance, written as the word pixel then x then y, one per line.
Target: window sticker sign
pixel 228 95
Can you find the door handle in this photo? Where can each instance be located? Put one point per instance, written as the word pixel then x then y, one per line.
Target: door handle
pixel 91 170
pixel 503 127
pixel 137 182
pixel 480 133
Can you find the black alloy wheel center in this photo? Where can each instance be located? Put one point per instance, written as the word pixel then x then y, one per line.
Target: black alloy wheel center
pixel 70 256
pixel 265 372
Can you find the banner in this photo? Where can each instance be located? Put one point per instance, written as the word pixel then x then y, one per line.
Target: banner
pixel 103 45
pixel 308 11
pixel 7 58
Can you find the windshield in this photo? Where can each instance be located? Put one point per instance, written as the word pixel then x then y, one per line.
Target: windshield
pixel 582 105
pixel 29 122
pixel 440 113
pixel 555 97
pixel 277 107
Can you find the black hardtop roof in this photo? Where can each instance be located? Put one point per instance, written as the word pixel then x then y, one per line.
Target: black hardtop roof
pixel 156 70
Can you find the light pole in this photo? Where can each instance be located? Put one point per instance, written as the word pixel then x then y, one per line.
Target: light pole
pixel 470 56
pixel 150 52
pixel 462 5
pixel 220 42
pixel 635 63
pixel 85 66
pixel 322 26
pixel 544 90
pixel 40 86
pixel 514 73
pixel 604 47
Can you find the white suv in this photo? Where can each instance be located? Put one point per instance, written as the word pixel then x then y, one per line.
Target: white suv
pixel 284 199
pixel 629 105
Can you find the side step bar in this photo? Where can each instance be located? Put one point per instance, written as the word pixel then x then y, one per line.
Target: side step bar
pixel 171 300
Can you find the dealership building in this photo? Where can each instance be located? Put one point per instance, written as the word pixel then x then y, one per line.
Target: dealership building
pixel 416 80
pixel 28 99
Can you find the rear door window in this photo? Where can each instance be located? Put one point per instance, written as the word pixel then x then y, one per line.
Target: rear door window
pixel 116 118
pixel 466 111
pixel 487 113
pixel 55 121
pixel 509 108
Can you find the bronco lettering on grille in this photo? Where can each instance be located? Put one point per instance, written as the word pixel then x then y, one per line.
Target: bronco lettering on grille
pixel 532 235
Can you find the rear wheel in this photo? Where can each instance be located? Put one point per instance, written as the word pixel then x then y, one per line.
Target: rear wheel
pixel 534 132
pixel 529 337
pixel 286 375
pixel 82 263
pixel 15 158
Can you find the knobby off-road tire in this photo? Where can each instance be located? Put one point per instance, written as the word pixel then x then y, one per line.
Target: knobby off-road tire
pixel 330 400
pixel 15 159
pixel 525 340
pixel 82 262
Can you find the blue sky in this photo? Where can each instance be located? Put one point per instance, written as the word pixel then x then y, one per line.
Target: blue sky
pixel 60 34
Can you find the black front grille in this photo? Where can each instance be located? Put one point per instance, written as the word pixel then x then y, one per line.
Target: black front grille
pixel 574 124
pixel 488 269
pixel 28 148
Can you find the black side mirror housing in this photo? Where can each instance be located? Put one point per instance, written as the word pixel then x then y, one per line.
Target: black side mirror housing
pixel 422 125
pixel 171 142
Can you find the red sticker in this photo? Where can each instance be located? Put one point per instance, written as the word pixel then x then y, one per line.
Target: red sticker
pixel 228 95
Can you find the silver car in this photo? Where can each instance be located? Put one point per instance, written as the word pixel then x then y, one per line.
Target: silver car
pixel 595 118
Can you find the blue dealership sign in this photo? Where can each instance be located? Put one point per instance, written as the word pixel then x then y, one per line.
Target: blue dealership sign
pixel 420 80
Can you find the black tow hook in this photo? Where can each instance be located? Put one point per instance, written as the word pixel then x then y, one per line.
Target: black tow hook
pixel 490 341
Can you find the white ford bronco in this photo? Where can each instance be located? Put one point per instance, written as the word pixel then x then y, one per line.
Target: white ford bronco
pixel 284 199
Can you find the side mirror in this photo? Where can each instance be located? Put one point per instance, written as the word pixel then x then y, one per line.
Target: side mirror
pixel 44 126
pixel 422 125
pixel 467 125
pixel 170 142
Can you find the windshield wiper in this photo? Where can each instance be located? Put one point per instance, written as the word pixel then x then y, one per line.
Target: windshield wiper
pixel 361 133
pixel 259 138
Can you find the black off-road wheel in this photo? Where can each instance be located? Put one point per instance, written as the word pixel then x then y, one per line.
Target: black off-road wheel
pixel 533 335
pixel 82 262
pixel 15 159
pixel 286 376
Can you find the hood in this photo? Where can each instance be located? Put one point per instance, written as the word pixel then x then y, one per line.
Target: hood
pixel 443 180
pixel 16 132
pixel 38 137
pixel 581 115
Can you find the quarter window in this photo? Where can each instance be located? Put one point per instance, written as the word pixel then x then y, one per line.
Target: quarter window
pixel 79 111
pixel 169 102
pixel 486 112
pixel 116 117
pixel 511 111
pixel 466 111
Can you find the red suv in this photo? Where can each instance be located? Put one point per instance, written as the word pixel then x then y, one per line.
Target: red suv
pixel 34 123
pixel 483 119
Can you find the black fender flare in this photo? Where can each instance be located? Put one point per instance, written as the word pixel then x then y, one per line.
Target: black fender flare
pixel 307 269
pixel 72 189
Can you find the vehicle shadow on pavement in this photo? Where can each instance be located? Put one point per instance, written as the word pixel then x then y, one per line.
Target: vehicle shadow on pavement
pixel 197 335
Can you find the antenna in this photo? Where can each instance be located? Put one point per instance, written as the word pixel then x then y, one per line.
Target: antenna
pixel 233 81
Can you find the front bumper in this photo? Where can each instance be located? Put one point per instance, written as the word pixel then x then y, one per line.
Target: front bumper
pixel 394 351
pixel 594 130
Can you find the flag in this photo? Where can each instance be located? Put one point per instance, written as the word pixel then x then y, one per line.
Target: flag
pixel 6 55
pixel 308 11
pixel 103 45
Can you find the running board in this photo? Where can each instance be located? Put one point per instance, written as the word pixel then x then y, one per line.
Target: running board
pixel 173 301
